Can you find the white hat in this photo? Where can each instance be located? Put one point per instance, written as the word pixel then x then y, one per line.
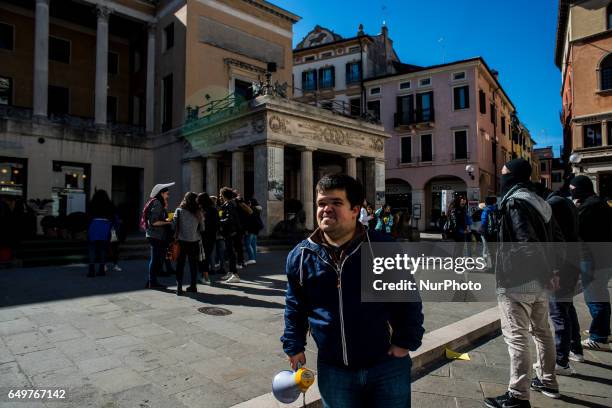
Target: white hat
pixel 160 187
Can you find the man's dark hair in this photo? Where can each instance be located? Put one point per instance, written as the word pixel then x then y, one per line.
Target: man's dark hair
pixel 227 193
pixel 352 187
pixel 490 200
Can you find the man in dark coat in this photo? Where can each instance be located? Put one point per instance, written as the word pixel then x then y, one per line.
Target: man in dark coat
pixel 595 224
pixel 522 272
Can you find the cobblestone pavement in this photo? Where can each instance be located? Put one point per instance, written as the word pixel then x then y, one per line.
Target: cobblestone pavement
pixel 111 343
pixel 464 384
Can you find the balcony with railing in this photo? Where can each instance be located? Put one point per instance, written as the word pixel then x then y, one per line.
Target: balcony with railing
pixel 71 123
pixel 415 117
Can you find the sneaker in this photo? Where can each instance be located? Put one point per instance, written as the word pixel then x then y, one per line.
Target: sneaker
pixel 206 282
pixel 506 401
pixel 578 357
pixel 179 291
pixel 233 279
pixel 595 345
pixel 567 370
pixel 250 262
pixel 216 267
pixel 239 266
pixel 539 386
pixel 227 276
pixel 117 268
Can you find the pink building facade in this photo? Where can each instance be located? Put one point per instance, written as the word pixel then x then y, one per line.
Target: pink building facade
pixel 451 134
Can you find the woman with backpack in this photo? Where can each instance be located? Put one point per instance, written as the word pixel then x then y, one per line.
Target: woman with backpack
pixel 154 221
pixel 384 219
pixel 254 224
pixel 189 223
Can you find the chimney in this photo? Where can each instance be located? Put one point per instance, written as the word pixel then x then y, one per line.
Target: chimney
pixel 360 31
pixel 384 30
pixel 495 74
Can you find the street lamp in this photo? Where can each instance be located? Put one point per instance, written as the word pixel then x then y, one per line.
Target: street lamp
pixel 470 171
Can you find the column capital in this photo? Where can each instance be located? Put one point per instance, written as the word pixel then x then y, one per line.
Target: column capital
pixel 151 28
pixel 306 149
pixel 43 2
pixel 351 156
pixel 103 12
pixel 269 143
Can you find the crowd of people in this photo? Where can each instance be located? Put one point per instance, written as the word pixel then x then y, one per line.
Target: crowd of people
pixel 203 232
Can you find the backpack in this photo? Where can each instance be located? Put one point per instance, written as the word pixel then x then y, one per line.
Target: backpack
pixel 228 223
pixel 492 223
pixel 145 214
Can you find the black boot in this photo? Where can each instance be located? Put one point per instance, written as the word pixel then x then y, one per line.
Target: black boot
pixel 91 272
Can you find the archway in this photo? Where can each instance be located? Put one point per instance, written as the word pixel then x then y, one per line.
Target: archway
pixel 398 194
pixel 439 191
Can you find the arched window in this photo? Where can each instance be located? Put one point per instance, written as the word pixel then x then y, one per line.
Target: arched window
pixel 605 72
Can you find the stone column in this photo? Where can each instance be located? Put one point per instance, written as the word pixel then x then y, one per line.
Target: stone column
pixel 307 187
pixel 211 175
pixel 150 86
pixel 269 183
pixel 604 133
pixel 41 58
pixel 370 180
pixel 101 65
pixel 351 166
pixel 196 179
pixel 418 197
pixel 379 181
pixel 238 170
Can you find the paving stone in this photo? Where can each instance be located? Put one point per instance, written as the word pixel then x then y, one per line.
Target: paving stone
pixel 175 378
pixel 146 396
pixel 82 348
pixel 27 342
pixel 424 400
pixel 478 372
pixel 15 326
pixel 47 318
pixel 98 364
pixel 115 342
pixel 190 352
pixel 102 330
pixel 5 354
pixel 146 330
pixel 11 376
pixel 61 332
pixel 44 360
pixel 468 403
pixel 210 339
pixel 447 386
pixel 145 358
pixel 117 379
pixel 69 378
pixel 215 396
pixel 10 314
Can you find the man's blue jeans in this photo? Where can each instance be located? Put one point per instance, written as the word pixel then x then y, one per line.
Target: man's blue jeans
pixel 597 298
pixel 385 385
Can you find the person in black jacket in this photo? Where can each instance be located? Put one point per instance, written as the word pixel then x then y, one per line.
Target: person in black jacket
pixel 562 310
pixel 209 235
pixel 523 270
pixel 363 358
pixel 595 224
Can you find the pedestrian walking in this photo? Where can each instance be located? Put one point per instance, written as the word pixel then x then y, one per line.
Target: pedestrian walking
pixel 208 236
pixel 154 221
pixel 595 224
pixel 189 224
pixel 231 230
pixel 562 310
pixel 101 216
pixel 523 271
pixel 254 225
pixel 362 348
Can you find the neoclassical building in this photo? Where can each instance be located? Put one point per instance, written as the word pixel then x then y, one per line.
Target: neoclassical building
pixel 275 150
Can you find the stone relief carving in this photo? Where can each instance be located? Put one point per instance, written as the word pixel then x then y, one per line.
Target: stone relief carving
pixel 258 124
pixel 278 124
pixel 378 144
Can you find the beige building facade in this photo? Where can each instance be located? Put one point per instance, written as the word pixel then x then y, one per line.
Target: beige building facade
pixel 584 41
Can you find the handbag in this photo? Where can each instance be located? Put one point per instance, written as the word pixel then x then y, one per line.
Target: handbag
pixel 173 252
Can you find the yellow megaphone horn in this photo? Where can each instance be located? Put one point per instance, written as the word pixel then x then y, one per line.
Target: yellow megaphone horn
pixel 288 385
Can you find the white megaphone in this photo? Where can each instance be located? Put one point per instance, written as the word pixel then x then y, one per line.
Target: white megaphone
pixel 288 385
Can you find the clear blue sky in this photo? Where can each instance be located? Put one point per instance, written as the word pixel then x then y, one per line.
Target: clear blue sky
pixel 516 38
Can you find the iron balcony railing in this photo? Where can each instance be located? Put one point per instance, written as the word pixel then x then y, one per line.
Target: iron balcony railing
pixel 413 117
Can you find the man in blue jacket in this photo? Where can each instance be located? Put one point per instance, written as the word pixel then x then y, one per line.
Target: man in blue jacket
pixel 363 348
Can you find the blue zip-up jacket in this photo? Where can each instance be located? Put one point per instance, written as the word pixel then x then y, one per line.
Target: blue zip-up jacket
pixel 347 332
